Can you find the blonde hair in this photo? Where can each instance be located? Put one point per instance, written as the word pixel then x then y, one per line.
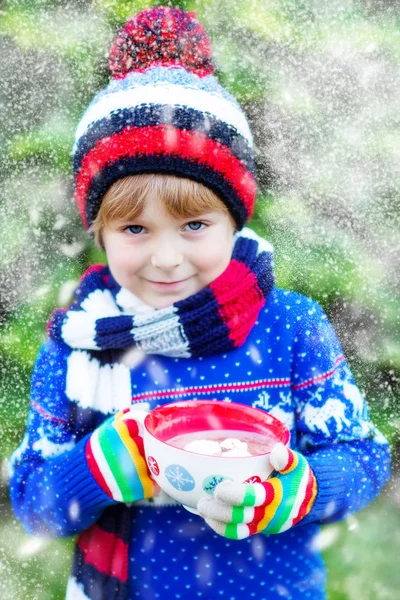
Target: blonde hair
pixel 125 199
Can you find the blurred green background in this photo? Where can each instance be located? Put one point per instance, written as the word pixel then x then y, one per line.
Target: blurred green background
pixel 319 81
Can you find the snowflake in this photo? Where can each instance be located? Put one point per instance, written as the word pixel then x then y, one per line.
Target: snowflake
pixel 179 478
pixel 210 483
pixel 153 465
pixel 254 479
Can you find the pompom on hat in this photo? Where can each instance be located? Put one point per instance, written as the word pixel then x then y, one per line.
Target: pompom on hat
pixel 164 112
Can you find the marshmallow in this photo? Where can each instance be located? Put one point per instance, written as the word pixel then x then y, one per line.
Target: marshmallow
pixel 203 447
pixel 231 443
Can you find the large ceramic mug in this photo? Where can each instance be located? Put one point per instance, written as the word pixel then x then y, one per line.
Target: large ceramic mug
pixel 187 476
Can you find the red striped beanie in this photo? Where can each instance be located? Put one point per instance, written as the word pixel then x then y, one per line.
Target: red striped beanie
pixel 164 112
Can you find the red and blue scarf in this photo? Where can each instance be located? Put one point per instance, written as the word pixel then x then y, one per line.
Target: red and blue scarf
pixel 215 320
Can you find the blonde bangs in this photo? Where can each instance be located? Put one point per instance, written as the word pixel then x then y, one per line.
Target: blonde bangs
pixel 125 199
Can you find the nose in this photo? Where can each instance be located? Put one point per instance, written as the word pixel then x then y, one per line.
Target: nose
pixel 166 257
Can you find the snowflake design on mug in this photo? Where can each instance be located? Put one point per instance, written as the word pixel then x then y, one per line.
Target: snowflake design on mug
pixel 153 465
pixel 211 482
pixel 254 479
pixel 179 478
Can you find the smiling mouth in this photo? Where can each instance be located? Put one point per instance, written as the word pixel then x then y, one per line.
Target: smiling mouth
pixel 168 284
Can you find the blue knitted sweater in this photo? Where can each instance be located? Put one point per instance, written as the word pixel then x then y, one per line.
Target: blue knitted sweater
pixel 292 366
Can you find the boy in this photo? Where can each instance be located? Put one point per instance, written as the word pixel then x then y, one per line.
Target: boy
pixel 186 308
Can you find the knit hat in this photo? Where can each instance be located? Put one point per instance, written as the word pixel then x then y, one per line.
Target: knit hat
pixel 164 112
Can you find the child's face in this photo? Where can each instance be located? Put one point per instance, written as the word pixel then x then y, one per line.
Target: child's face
pixel 163 259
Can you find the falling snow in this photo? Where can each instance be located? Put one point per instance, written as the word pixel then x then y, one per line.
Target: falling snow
pixel 319 81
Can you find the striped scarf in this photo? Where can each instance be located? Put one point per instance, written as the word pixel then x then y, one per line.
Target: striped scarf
pixel 215 320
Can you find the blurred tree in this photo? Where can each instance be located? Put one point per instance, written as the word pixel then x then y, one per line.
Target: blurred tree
pixel 319 81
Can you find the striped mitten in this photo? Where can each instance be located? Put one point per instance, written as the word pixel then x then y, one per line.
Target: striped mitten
pixel 238 510
pixel 115 456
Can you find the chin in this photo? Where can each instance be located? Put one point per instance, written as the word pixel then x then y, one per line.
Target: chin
pixel 158 303
pixel 166 300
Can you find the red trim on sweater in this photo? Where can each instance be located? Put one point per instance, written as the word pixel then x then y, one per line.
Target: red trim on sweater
pixel 210 389
pixel 300 386
pixel 45 414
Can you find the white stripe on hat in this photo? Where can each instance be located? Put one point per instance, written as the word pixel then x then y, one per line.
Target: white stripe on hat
pixel 171 95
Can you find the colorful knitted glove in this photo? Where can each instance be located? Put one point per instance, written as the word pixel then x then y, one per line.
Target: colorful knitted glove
pixel 238 510
pixel 115 456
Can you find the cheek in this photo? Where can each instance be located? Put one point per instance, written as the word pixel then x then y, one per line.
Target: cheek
pixel 213 257
pixel 124 261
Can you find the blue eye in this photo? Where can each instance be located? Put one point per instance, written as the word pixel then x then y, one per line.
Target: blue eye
pixel 135 229
pixel 195 225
